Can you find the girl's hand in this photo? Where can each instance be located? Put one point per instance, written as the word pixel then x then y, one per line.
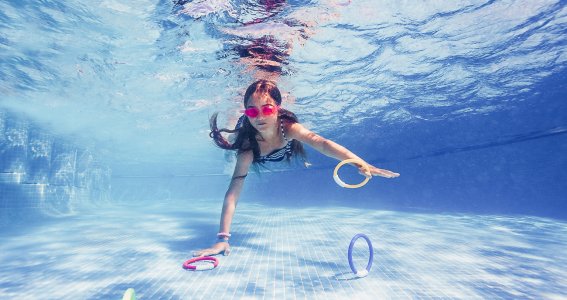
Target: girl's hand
pixel 376 172
pixel 382 172
pixel 214 250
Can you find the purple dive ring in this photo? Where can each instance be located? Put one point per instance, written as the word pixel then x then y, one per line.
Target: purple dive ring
pixel 187 265
pixel 364 272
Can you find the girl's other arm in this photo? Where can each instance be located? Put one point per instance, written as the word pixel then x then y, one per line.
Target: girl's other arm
pixel 332 149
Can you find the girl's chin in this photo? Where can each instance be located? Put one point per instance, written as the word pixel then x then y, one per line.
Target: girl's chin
pixel 262 127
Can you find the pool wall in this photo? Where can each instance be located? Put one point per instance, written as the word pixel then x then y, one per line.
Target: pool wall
pixel 44 174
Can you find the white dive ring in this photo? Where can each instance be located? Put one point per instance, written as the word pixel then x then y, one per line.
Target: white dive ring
pixel 342 183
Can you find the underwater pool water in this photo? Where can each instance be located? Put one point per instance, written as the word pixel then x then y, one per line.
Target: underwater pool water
pixel 109 180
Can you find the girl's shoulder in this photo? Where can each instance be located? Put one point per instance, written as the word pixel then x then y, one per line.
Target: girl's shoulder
pixel 289 123
pixel 291 128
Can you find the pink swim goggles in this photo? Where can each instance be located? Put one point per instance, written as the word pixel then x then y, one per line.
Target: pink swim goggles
pixel 267 110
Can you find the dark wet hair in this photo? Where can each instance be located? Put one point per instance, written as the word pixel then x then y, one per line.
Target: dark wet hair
pixel 246 133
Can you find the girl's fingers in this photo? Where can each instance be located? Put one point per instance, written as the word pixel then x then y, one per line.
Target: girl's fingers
pixel 391 174
pixel 385 173
pixel 211 251
pixel 202 253
pixel 206 253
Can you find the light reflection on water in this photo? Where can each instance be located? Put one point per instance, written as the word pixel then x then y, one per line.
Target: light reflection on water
pixel 137 70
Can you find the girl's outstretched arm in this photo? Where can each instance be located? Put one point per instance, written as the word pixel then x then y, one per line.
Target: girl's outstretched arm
pixel 243 162
pixel 332 149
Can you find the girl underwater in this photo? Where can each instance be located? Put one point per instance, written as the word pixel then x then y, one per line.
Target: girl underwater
pixel 267 132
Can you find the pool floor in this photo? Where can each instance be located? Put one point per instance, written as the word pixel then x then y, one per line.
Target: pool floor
pixel 284 253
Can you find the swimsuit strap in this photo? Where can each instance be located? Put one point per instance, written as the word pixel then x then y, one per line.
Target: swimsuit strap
pixel 283 133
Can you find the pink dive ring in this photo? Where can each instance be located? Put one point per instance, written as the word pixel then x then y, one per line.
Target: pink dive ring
pixel 188 264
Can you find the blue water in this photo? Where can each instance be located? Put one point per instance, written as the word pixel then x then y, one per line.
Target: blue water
pixel 108 178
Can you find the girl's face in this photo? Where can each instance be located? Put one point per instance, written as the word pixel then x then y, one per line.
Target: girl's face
pixel 262 122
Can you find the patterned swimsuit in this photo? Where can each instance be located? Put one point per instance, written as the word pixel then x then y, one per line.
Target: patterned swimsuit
pixel 278 154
